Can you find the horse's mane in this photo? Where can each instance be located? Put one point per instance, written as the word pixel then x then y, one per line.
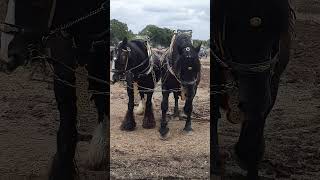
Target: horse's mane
pixel 219 11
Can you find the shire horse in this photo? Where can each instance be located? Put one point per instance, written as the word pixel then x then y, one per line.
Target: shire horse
pixel 76 33
pixel 180 74
pixel 134 64
pixel 251 42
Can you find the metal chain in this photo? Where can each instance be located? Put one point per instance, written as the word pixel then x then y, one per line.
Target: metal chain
pixel 77 21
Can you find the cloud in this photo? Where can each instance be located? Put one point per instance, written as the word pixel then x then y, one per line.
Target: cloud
pixel 177 14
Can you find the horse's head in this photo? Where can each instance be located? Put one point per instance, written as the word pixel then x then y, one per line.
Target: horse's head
pixel 120 61
pixel 29 20
pixel 188 66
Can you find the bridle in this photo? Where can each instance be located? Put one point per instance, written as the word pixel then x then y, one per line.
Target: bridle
pixel 126 71
pixel 127 52
pixel 177 76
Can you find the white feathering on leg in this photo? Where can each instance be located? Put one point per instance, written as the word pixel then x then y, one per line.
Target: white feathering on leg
pixel 97 154
pixel 141 108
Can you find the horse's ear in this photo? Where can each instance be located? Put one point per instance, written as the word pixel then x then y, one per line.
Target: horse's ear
pixel 197 49
pixel 125 40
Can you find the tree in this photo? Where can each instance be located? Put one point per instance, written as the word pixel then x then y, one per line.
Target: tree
pixel 119 30
pixel 158 36
pixel 205 43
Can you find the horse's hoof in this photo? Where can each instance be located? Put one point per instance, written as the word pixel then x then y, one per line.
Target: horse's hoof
pixel 128 126
pixel 57 173
pixel 149 124
pixel 164 134
pixel 176 113
pixel 188 131
pixel 183 115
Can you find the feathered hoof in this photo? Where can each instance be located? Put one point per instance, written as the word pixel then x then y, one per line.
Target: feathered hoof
pixel 97 154
pixel 164 134
pixel 149 121
pixel 140 109
pixel 149 124
pixel 187 131
pixel 183 115
pixel 57 172
pixel 128 124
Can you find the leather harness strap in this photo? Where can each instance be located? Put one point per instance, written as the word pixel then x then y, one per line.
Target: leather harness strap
pixel 52 12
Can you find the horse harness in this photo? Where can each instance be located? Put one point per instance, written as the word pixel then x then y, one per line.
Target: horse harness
pixel 150 69
pixel 228 64
pixel 60 30
pixel 167 56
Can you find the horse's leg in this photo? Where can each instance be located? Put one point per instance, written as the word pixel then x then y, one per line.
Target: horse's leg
pixel 142 105
pixel 176 104
pixel 255 97
pixel 216 159
pixel 164 130
pixel 188 110
pixel 188 107
pixel 98 68
pixel 217 162
pixel 129 124
pixel 148 120
pixel 97 155
pixel 63 166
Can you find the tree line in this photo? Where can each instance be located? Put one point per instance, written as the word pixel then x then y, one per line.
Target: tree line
pixel 158 36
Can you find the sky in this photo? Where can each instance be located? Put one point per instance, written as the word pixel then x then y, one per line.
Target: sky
pixel 173 14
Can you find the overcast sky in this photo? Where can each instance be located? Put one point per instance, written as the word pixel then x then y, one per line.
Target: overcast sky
pixel 173 14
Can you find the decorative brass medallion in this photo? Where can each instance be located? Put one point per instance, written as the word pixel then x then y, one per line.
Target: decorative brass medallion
pixel 255 21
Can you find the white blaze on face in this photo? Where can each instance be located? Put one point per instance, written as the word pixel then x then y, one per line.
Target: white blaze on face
pixel 7 38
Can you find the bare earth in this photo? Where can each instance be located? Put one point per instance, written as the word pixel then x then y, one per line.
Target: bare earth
pixel 29 123
pixel 141 154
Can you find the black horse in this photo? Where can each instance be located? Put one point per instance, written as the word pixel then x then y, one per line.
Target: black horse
pixel 180 74
pixel 134 64
pixel 75 32
pixel 251 40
